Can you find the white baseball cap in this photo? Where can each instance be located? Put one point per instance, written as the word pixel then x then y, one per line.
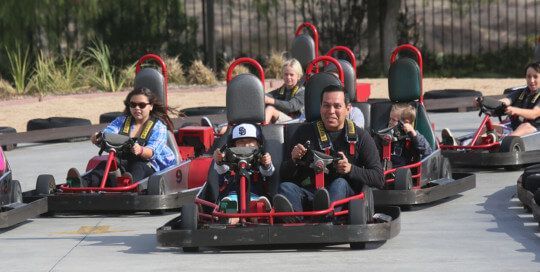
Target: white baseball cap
pixel 244 130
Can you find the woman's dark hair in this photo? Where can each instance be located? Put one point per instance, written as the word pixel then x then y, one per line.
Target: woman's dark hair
pixel 158 110
pixel 534 65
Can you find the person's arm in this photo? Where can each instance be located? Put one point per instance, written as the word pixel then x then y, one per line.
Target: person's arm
pixel 266 168
pixel 421 145
pixel 529 114
pixel 221 169
pixel 155 144
pixel 295 104
pixel 290 170
pixel 367 168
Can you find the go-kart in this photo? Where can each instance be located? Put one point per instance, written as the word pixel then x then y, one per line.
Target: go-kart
pixel 12 208
pixel 528 190
pixel 204 223
pixel 427 179
pixel 488 150
pixel 164 190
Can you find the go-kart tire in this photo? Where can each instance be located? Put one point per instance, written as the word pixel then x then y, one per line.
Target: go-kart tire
pixel 45 185
pixel 5 130
pixel 537 197
pixel 403 180
pixel 189 221
pixel 446 170
pixel 370 202
pixel 200 111
pixel 58 122
pixel 358 215
pixel 16 192
pixel 512 144
pixel 451 93
pixel 156 186
pixel 108 117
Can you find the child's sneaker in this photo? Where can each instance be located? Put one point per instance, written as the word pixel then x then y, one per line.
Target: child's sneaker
pixel 265 201
pixel 73 178
pixel 447 137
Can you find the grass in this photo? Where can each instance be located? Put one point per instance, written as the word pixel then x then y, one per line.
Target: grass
pixel 62 77
pixel 105 76
pixel 175 70
pixel 19 68
pixel 239 69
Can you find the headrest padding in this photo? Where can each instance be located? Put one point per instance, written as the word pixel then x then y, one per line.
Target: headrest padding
pixel 404 80
pixel 153 80
pixel 314 87
pixel 245 99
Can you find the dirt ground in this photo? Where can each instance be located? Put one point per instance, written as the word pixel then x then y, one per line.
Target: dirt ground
pixel 16 112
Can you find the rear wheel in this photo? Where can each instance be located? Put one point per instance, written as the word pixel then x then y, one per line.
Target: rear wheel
pixel 156 186
pixel 403 180
pixel 45 185
pixel 189 221
pixel 358 215
pixel 512 144
pixel 446 171
pixel 16 192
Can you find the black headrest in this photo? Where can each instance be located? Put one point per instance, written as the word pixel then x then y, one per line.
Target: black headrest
pixel 153 80
pixel 404 80
pixel 245 99
pixel 303 49
pixel 314 87
pixel 349 77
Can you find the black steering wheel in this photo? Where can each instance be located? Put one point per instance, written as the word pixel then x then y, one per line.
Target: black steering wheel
pixel 242 158
pixel 121 143
pixel 393 133
pixel 317 160
pixel 491 106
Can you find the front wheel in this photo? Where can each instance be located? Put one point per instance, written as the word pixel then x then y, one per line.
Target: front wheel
pixel 403 180
pixel 358 216
pixel 16 192
pixel 189 221
pixel 512 144
pixel 45 185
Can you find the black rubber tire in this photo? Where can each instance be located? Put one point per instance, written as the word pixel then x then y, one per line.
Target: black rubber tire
pixel 156 185
pixel 512 144
pixel 446 169
pixel 370 202
pixel 200 111
pixel 5 130
pixel 59 122
pixel 108 117
pixel 189 221
pixel 403 179
pixel 451 93
pixel 537 197
pixel 16 192
pixel 45 184
pixel 357 216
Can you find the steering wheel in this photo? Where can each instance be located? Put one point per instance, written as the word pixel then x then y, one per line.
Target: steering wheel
pixel 121 143
pixel 317 160
pixel 393 134
pixel 491 106
pixel 242 158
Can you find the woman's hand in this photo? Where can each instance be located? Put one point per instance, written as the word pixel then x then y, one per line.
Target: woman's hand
pixel 95 139
pixel 512 110
pixel 137 149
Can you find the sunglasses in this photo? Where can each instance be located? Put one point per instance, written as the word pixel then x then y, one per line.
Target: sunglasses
pixel 141 105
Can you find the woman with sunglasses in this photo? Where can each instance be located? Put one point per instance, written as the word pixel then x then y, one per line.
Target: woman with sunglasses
pixel 144 118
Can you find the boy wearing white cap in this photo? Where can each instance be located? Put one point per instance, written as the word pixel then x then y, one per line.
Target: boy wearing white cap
pixel 243 135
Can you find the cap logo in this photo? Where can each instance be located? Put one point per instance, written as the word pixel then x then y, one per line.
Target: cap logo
pixel 242 131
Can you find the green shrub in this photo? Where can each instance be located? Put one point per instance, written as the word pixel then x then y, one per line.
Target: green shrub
pixel 19 68
pixel 127 75
pixel 105 77
pixel 239 69
pixel 199 74
pixel 6 90
pixel 51 77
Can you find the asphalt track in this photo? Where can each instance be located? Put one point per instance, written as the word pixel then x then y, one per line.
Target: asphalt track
pixel 484 229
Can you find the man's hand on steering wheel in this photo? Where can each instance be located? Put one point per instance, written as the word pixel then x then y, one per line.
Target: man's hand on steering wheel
pixel 343 166
pixel 298 152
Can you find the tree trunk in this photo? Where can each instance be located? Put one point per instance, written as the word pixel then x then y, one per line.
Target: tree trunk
pixel 374 58
pixel 389 32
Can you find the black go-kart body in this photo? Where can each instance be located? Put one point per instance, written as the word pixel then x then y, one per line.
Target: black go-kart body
pixel 528 190
pixel 510 152
pixel 164 190
pixel 431 178
pixel 12 208
pixel 204 224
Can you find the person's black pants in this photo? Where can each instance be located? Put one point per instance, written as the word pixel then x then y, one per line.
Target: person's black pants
pixel 138 169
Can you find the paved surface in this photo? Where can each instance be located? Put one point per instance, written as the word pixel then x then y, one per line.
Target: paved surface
pixel 484 229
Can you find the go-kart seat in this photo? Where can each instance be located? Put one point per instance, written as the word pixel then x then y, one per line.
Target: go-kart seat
pixel 404 85
pixel 314 87
pixel 153 80
pixel 171 143
pixel 303 49
pixel 349 76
